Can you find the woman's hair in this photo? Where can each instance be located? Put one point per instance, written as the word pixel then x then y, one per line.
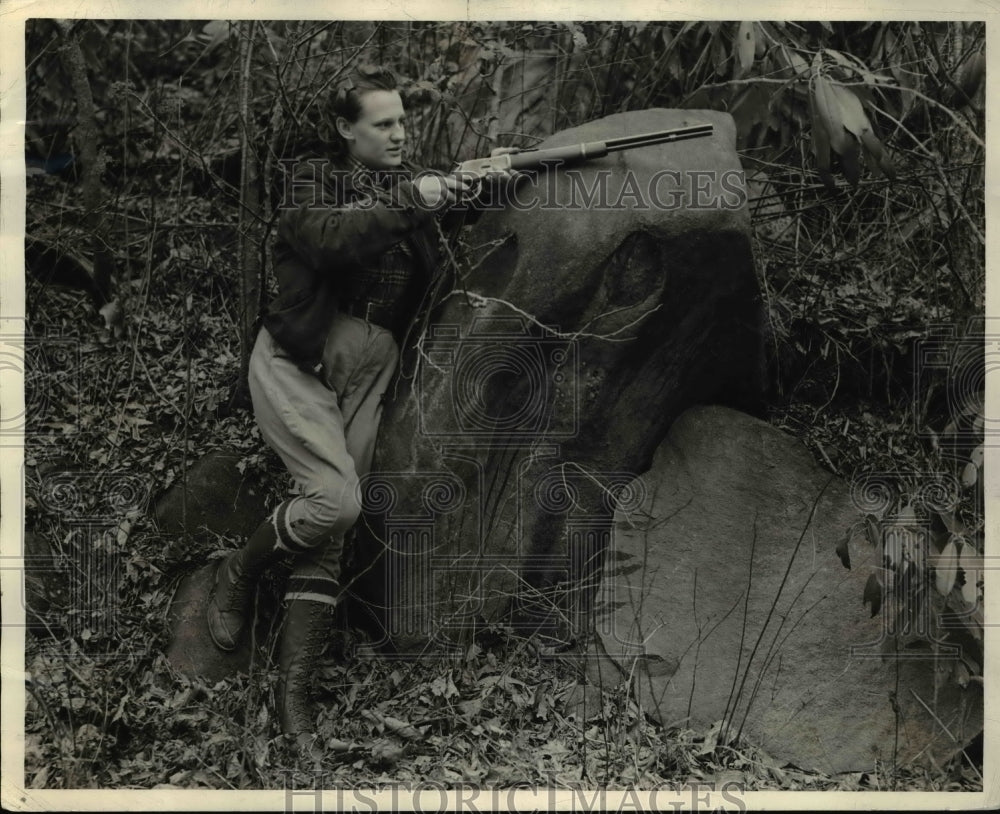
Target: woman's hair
pixel 346 100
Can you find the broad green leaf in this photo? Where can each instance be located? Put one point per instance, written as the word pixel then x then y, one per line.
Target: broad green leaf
pixel 969 474
pixel 972 565
pixel 852 112
pixel 946 568
pixel 745 46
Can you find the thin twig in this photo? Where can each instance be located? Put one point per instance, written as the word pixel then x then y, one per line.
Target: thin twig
pixel 781 587
pixel 480 301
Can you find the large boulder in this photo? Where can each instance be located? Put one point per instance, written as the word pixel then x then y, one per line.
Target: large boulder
pixel 214 496
pixel 548 376
pixel 724 599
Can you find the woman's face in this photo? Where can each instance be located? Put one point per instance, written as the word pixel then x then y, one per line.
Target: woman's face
pixel 376 138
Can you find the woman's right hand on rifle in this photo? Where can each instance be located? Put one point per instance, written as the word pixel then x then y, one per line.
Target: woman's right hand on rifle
pixel 441 190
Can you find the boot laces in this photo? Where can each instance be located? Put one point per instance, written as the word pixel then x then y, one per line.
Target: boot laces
pixel 239 585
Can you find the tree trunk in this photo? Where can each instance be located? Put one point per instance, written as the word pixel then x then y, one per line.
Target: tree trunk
pixel 250 232
pixel 92 162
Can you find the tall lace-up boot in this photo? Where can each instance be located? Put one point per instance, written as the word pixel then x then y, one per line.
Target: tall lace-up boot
pixel 305 633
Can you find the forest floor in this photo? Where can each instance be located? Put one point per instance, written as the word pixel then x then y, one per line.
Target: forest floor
pixel 106 711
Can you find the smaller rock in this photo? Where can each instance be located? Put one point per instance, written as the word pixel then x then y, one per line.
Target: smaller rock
pixel 213 495
pixel 192 651
pixel 725 600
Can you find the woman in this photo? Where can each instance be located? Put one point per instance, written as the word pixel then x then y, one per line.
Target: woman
pixel 355 253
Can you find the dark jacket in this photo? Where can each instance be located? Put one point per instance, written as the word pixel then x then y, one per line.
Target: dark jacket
pixel 322 240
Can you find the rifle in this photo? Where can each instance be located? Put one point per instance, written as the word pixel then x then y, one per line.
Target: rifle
pixel 532 158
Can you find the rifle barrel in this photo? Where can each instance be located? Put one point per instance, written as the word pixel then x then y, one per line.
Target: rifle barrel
pixel 662 137
pixel 571 153
pixel 527 159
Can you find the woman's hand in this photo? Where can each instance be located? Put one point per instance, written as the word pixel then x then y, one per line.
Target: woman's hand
pixel 438 191
pixel 503 175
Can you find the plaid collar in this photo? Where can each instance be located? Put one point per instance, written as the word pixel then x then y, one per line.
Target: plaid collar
pixel 356 167
pixel 363 176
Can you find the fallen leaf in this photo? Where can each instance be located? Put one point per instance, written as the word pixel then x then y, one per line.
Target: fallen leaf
pixel 843 551
pixel 394 725
pixel 711 739
pixel 873 594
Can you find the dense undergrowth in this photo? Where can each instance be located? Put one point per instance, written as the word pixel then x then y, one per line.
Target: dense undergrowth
pixel 856 281
pixel 104 709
